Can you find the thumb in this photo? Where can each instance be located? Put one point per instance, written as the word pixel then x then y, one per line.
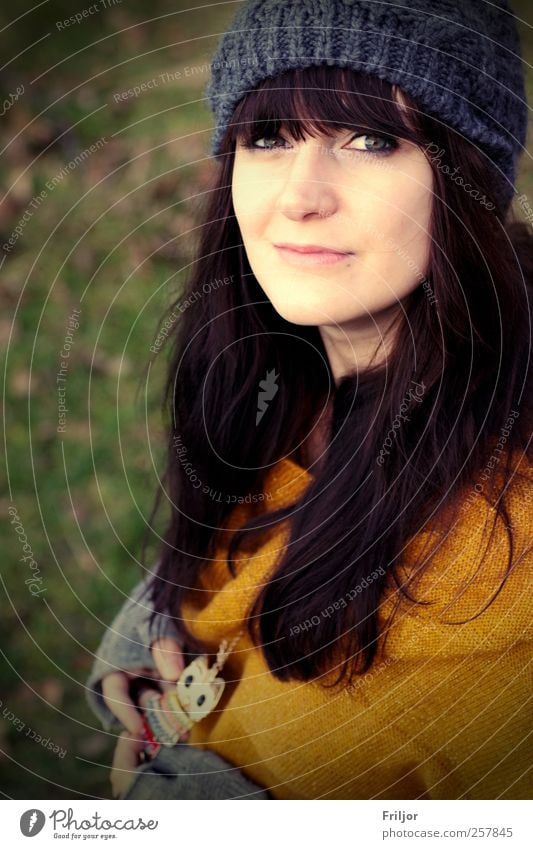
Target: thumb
pixel 168 658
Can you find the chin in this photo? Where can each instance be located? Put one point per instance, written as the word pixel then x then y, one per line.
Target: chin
pixel 326 315
pixel 301 313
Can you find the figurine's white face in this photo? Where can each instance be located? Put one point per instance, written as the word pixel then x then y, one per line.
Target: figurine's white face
pixel 198 696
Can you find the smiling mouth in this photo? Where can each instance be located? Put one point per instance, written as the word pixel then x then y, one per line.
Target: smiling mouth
pixel 311 258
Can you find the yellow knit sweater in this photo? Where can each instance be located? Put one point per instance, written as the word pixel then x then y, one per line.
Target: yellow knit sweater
pixel 443 715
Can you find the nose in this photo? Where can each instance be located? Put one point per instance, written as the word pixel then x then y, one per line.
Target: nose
pixel 308 189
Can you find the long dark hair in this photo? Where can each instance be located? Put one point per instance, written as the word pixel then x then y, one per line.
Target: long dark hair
pixel 464 341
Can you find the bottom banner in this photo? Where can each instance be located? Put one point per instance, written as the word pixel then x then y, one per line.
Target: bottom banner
pixel 308 823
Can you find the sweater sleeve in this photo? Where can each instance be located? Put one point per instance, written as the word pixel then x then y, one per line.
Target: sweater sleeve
pixel 187 772
pixel 125 645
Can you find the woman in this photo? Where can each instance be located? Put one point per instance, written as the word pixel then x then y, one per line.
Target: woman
pixel 349 474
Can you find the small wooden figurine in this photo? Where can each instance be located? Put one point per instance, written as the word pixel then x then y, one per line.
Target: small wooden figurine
pixel 169 717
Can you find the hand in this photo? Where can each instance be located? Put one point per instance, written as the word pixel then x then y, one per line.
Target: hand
pixel 169 664
pixel 126 759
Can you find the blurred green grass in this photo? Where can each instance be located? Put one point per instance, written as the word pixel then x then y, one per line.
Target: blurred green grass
pixel 112 239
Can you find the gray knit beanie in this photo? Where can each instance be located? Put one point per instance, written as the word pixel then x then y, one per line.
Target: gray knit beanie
pixel 459 59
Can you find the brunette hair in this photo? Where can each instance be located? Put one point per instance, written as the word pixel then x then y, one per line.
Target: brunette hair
pixel 467 345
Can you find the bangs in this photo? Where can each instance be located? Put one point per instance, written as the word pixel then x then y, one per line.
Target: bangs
pixel 325 100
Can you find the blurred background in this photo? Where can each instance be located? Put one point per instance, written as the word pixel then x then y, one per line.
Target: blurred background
pixel 105 156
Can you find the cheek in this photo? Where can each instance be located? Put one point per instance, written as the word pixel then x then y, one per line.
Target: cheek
pixel 247 195
pixel 254 200
pixel 394 245
pixel 396 225
pixel 238 188
pixel 247 219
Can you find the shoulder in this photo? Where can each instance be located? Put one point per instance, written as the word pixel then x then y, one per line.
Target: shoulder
pixel 473 524
pixel 473 572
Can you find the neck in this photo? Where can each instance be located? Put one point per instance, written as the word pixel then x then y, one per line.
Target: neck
pixel 359 344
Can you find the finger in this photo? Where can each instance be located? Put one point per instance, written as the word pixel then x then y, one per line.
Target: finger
pixel 167 686
pixel 125 761
pixel 148 672
pixel 168 658
pixel 146 694
pixel 115 691
pixel 139 671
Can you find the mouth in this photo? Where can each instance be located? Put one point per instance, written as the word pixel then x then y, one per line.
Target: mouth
pixel 309 255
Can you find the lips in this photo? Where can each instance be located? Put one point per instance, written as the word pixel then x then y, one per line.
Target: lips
pixel 309 255
pixel 310 249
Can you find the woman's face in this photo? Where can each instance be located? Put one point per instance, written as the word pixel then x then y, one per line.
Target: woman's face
pixel 361 195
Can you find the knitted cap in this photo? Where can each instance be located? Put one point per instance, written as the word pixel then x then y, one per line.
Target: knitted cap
pixel 459 59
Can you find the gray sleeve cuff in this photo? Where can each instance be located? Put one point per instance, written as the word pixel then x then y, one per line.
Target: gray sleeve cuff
pixel 187 772
pixel 125 645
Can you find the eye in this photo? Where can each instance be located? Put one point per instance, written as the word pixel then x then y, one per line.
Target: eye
pixel 374 143
pixel 188 681
pixel 253 144
pixel 200 700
